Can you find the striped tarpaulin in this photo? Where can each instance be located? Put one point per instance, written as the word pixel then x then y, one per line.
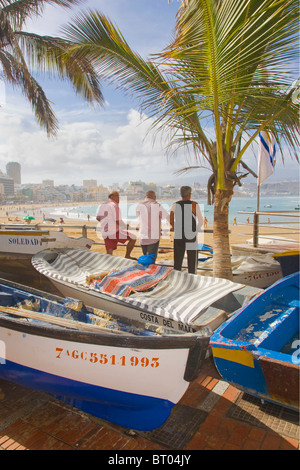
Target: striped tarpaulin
pixel 180 297
pixel 128 280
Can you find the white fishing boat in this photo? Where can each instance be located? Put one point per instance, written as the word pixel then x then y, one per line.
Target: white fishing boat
pixel 260 270
pixel 126 374
pixel 265 245
pixel 24 243
pixel 160 295
pixel 18 245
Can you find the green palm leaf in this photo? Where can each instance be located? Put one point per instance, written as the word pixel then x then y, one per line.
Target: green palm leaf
pixel 23 53
pixel 230 64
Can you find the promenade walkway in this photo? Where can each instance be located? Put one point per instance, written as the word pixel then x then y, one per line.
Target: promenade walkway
pixel 212 415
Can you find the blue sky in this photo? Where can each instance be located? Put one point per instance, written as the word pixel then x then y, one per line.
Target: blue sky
pixel 111 144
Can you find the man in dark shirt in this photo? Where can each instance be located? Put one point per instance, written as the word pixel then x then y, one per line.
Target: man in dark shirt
pixel 186 220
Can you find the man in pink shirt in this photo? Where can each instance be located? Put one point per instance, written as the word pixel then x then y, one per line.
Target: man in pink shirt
pixel 150 213
pixel 112 226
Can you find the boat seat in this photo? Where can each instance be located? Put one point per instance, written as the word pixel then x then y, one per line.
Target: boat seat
pixel 280 331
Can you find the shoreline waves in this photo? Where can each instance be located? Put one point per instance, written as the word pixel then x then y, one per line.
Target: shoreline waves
pixel 239 233
pixel 86 211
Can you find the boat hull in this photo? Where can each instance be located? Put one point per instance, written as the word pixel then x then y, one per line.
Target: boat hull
pixel 132 381
pixel 263 365
pixel 257 270
pixel 102 301
pixel 182 302
pixel 24 243
pixel 289 261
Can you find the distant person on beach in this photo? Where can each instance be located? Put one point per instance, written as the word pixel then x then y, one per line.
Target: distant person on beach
pixel 186 220
pixel 113 228
pixel 150 213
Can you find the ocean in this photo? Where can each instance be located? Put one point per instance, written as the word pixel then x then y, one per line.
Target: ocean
pixel 237 204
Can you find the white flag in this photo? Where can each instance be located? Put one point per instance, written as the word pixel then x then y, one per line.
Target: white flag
pixel 266 156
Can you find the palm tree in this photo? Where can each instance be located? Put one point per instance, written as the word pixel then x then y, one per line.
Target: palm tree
pixel 229 63
pixel 20 51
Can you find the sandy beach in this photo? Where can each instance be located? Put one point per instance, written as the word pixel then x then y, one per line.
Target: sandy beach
pixel 239 234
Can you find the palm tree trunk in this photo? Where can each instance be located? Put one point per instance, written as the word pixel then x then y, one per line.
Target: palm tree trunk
pixel 221 246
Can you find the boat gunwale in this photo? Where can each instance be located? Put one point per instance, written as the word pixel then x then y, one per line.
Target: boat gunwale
pixel 109 338
pixel 222 340
pixel 188 339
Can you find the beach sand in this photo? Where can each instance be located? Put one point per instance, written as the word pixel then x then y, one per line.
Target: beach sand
pixel 239 234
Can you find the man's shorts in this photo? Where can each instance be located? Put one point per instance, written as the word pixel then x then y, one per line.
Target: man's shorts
pixel 112 243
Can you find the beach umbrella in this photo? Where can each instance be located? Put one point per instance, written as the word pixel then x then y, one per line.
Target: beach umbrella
pixel 28 217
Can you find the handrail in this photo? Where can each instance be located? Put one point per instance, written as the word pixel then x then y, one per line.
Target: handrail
pixel 256 224
pixel 83 228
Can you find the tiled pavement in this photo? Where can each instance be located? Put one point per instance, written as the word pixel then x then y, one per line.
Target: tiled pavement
pixel 223 421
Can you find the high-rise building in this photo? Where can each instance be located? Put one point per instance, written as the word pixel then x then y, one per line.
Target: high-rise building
pixel 13 170
pixel 7 185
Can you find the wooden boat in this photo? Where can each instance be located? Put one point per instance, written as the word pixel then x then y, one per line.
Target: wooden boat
pixel 289 261
pixel 266 245
pixel 17 243
pixel 257 350
pixel 256 270
pixel 180 300
pixel 121 372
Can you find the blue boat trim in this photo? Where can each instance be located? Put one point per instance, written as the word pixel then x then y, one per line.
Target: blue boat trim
pixel 250 349
pixel 125 409
pixel 131 408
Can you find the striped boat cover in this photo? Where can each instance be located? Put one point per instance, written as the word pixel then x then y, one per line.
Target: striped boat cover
pixel 126 281
pixel 180 297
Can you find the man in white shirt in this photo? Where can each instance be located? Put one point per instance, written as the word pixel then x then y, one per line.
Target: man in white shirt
pixel 113 228
pixel 150 213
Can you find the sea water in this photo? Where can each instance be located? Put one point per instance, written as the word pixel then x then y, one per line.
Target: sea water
pixel 237 204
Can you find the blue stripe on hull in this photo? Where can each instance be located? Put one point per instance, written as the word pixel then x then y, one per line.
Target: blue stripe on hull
pixel 125 409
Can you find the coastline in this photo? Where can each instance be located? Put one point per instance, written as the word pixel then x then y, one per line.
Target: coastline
pixel 239 234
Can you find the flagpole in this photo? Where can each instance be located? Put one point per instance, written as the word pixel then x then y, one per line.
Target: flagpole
pixel 256 216
pixel 266 163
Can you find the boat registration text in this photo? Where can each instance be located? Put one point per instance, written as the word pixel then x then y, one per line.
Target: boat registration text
pixel 107 359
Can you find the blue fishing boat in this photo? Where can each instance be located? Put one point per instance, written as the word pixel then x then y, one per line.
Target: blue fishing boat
pixel 123 372
pixel 257 350
pixel 204 250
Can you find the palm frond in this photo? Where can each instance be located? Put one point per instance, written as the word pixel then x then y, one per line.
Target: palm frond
pixel 95 37
pixel 21 53
pixel 50 55
pixel 18 11
pixel 18 75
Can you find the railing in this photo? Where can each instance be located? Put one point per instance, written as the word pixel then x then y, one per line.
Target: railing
pixel 82 228
pixel 284 214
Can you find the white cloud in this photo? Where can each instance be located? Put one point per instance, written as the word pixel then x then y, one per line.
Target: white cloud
pixel 110 145
pixel 88 147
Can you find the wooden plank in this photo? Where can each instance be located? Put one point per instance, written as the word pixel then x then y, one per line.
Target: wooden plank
pixel 63 322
